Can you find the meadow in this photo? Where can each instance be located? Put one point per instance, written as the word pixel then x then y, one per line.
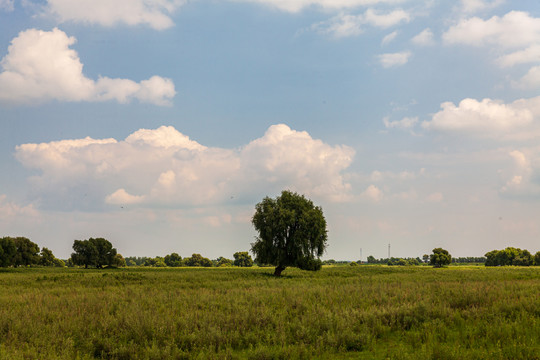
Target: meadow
pixel 363 312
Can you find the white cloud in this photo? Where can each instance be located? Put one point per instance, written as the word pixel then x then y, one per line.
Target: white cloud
pixel 424 38
pixel 529 55
pixel 513 30
pixel 531 80
pixel 405 123
pixel 121 197
pixel 163 167
pixel 344 25
pixel 40 66
pixel 515 38
pixel 298 5
pixel 488 118
pixel 387 20
pixel 7 5
pixel 389 38
pixel 394 59
pixel 154 13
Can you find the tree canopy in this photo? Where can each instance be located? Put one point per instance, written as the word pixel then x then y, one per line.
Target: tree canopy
pixel 440 257
pixel 242 259
pixel 97 252
pixel 292 232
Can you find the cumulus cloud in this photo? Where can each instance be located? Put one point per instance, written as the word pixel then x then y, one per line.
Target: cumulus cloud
pixel 297 5
pixel 513 30
pixel 424 38
pixel 40 66
pixel 344 25
pixel 394 59
pixel 163 167
pixel 488 118
pixel 153 13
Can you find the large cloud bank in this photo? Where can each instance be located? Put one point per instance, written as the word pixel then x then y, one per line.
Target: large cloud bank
pixel 163 167
pixel 40 66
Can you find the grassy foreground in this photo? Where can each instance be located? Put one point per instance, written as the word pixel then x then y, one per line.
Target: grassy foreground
pixel 366 312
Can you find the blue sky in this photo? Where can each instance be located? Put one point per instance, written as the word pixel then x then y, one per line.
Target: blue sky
pixel 159 124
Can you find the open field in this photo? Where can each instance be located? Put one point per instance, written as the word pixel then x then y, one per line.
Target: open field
pixel 365 312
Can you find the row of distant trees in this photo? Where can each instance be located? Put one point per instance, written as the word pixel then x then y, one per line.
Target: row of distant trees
pixel 512 256
pixel 241 259
pixel 20 251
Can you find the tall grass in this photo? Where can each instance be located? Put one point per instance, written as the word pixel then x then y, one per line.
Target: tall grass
pixel 366 312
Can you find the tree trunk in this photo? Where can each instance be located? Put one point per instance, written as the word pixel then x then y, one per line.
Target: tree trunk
pixel 278 270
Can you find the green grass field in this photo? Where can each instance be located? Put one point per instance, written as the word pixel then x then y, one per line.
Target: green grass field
pixel 365 312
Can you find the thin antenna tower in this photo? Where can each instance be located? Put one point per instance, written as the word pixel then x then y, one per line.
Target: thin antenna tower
pixel 388 251
pixel 360 255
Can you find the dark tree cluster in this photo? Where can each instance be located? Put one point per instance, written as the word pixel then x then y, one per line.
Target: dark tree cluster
pixel 394 261
pixel 469 260
pixel 96 252
pixel 512 256
pixel 20 251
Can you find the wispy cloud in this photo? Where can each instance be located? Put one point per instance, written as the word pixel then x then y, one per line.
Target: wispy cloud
pixel 394 59
pixel 153 13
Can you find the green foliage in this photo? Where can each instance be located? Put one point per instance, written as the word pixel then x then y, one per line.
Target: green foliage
pixel 242 259
pixel 292 232
pixel 223 262
pixel 47 258
pixel 158 261
pixel 198 260
pixel 27 252
pixel 440 257
pixel 394 261
pixel 341 312
pixel 119 261
pixel 509 256
pixel 96 252
pixel 353 263
pixel 8 251
pixel 537 258
pixel 173 260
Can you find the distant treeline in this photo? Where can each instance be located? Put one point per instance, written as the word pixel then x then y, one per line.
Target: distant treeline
pixel 469 260
pixel 241 259
pixel 394 261
pixel 99 252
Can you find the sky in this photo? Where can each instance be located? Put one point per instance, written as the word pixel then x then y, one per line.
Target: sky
pixel 160 124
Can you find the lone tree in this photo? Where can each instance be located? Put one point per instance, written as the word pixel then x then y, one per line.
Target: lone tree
pixel 292 232
pixel 440 257
pixel 97 252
